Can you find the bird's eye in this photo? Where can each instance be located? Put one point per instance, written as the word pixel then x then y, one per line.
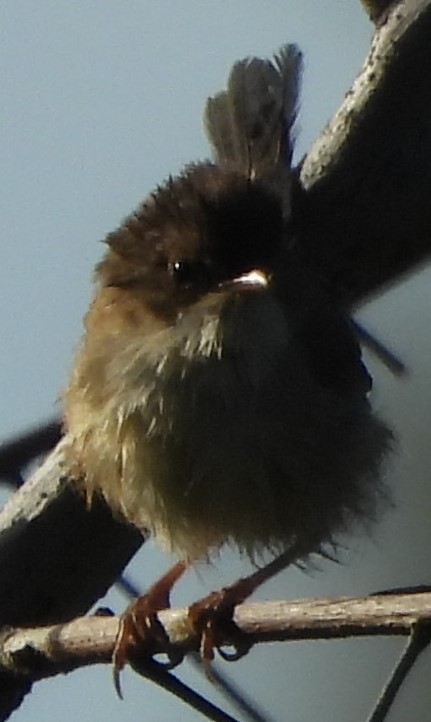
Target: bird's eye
pixel 189 273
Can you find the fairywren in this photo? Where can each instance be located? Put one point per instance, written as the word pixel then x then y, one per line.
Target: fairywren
pixel 219 395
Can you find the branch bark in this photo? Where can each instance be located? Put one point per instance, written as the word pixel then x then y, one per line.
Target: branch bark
pixel 57 557
pixel 57 649
pixel 365 218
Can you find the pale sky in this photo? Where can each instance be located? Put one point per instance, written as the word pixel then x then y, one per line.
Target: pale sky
pixel 100 101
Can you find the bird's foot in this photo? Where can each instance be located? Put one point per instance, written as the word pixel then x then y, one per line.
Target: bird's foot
pixel 139 623
pixel 212 620
pixel 212 617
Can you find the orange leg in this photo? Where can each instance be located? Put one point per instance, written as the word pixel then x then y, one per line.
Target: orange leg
pixel 212 616
pixel 139 621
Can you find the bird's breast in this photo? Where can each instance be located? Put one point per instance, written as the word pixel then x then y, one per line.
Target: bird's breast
pixel 217 432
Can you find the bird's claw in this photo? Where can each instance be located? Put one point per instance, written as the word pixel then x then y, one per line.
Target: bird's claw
pixel 212 620
pixel 140 629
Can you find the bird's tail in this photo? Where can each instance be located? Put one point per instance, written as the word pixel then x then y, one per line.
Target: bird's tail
pixel 249 125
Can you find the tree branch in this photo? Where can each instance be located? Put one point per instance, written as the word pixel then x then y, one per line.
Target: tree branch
pixel 16 453
pixel 366 216
pixel 57 557
pixel 46 651
pixel 418 641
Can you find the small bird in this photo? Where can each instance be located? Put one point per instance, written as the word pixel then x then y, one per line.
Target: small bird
pixel 219 396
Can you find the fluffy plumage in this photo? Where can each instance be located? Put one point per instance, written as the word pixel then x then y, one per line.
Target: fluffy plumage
pixel 208 405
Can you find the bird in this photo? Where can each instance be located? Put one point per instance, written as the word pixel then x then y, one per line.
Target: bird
pixel 219 396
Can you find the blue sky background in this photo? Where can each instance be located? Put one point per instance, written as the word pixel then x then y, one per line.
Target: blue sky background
pixel 100 101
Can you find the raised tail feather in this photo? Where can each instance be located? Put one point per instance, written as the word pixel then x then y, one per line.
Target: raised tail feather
pixel 249 125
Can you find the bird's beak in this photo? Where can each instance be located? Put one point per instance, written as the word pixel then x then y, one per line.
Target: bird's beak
pixel 254 280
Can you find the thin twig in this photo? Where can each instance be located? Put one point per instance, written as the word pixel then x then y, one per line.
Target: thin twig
pixel 155 672
pixel 21 450
pixel 46 651
pixel 418 641
pixel 231 691
pixel 41 652
pixel 382 352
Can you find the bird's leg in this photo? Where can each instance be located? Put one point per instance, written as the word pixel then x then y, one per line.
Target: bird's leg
pixel 139 622
pixel 212 616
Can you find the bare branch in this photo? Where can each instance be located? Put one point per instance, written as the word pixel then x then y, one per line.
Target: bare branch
pixel 418 641
pixel 28 655
pixel 366 216
pixel 45 651
pixel 19 451
pixel 56 556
